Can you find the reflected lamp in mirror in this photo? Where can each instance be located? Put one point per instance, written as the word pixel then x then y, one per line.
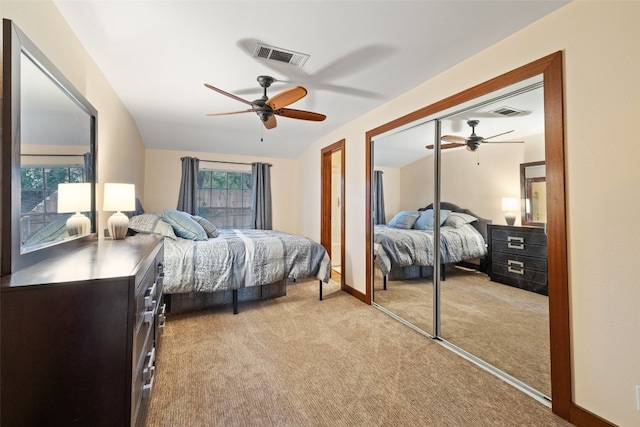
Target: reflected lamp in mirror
pixel 509 205
pixel 119 197
pixel 76 198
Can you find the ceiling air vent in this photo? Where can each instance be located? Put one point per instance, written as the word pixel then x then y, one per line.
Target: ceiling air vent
pixel 508 111
pixel 282 55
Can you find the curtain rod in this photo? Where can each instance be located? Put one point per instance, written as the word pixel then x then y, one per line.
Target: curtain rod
pixel 230 163
pixel 52 155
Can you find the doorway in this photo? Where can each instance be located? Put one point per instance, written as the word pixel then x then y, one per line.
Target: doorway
pixel 332 230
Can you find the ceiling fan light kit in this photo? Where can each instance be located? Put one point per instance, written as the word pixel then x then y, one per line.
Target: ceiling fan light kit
pixel 267 108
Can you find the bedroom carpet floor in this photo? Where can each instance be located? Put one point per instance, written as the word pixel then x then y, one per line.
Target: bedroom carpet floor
pixel 298 361
pixel 504 326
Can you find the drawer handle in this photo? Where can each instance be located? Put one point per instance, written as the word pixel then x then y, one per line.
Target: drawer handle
pixel 146 389
pixel 518 264
pixel 149 315
pixel 148 371
pixel 162 318
pixel 519 242
pixel 160 269
pixel 148 299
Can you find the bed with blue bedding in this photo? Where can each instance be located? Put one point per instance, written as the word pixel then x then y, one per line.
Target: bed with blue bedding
pixel 204 265
pixel 404 249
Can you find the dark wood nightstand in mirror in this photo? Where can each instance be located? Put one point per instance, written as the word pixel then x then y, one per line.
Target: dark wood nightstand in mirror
pixel 518 257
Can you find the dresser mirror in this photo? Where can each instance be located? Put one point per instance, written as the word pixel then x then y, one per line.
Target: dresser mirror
pixel 49 143
pixel 456 302
pixel 533 193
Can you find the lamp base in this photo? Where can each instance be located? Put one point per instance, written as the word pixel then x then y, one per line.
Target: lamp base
pixel 510 217
pixel 78 225
pixel 118 224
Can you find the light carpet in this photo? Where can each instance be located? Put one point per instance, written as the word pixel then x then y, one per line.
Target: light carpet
pixel 298 361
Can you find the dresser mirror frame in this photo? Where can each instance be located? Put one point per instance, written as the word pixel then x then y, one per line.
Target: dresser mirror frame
pixel 551 69
pixel 17 47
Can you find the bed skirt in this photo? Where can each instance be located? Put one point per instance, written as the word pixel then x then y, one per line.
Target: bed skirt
pixel 179 303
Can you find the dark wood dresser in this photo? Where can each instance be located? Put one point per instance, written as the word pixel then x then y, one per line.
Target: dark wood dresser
pixel 518 257
pixel 80 334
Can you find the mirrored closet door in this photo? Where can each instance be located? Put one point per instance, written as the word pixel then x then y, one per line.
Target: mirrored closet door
pixel 468 174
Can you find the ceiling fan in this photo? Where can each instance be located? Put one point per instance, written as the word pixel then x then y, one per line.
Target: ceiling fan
pixel 473 141
pixel 267 108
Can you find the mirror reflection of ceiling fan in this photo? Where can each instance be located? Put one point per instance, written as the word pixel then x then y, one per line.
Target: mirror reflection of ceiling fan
pixel 473 141
pixel 267 108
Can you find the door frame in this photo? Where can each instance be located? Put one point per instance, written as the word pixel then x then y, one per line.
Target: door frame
pixel 326 198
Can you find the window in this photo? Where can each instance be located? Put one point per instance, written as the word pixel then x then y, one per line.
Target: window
pixel 224 197
pixel 39 204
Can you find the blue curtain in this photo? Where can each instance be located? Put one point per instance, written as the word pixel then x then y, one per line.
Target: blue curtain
pixel 378 199
pixel 261 196
pixel 188 196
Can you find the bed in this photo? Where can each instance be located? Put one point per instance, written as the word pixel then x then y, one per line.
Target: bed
pixel 404 249
pixel 204 265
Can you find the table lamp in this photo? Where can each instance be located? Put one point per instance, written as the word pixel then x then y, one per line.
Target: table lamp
pixel 510 204
pixel 119 197
pixel 75 197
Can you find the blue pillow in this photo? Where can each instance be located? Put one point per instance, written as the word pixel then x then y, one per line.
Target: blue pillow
pixel 404 219
pixel 209 228
pixel 425 221
pixel 184 226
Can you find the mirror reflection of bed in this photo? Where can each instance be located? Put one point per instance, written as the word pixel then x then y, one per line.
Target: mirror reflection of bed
pixel 503 325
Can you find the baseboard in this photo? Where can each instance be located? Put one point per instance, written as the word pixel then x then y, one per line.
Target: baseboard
pixel 583 418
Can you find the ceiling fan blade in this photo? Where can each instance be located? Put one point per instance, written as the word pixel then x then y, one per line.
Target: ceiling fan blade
pixel 503 142
pixel 300 114
pixel 271 122
pixel 230 95
pixel 445 146
pixel 503 133
pixel 286 97
pixel 230 112
pixel 454 139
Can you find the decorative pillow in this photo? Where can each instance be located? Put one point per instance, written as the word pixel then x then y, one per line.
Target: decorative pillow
pixel 151 224
pixel 425 221
pixel 184 226
pixel 458 219
pixel 209 228
pixel 404 219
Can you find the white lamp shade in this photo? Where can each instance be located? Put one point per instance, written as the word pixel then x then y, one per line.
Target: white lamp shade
pixel 119 197
pixel 510 204
pixel 74 197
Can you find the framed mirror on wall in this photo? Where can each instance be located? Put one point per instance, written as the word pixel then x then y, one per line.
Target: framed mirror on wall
pixel 481 193
pixel 533 193
pixel 49 157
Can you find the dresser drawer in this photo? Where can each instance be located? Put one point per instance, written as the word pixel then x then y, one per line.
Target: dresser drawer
pixel 518 247
pixel 143 379
pixel 517 235
pixel 519 261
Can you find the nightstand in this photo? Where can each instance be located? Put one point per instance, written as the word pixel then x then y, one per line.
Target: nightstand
pixel 518 257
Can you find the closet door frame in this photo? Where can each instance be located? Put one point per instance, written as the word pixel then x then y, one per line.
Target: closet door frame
pixel 551 68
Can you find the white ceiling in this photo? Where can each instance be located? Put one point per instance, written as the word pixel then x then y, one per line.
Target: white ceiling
pixel 157 55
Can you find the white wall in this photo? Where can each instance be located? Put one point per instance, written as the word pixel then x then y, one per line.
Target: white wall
pixel 162 182
pixel 120 148
pixel 602 102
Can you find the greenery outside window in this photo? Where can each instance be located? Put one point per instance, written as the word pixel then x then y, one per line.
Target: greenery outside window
pixel 224 197
pixel 39 200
